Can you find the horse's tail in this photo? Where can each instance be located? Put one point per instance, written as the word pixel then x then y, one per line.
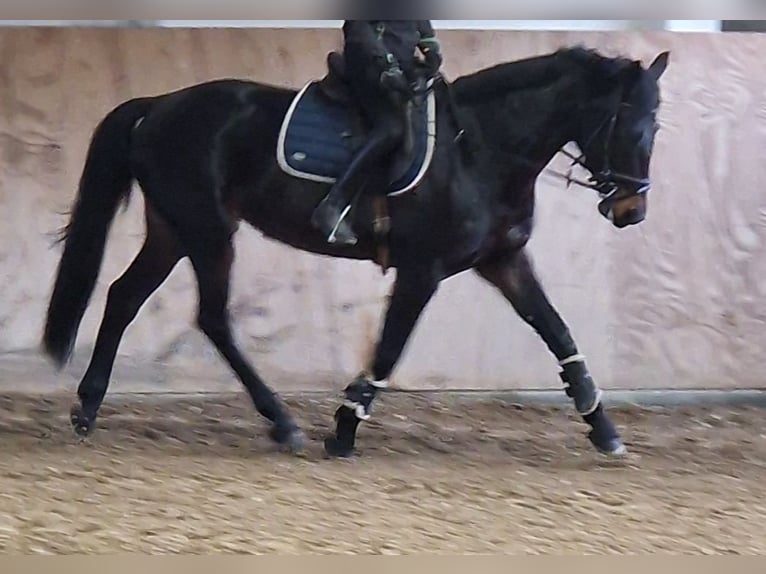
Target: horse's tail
pixel 105 182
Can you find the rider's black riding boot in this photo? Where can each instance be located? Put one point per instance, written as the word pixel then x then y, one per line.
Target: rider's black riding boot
pixel 329 216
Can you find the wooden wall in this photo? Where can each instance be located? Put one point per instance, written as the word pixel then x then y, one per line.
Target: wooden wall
pixel 678 302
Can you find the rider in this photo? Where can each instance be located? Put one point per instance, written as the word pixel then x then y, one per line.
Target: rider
pixel 381 67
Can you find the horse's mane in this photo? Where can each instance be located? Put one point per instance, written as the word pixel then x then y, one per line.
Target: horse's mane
pixel 535 72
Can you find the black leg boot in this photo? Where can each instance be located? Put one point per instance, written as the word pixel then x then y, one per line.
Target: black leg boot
pixel 356 408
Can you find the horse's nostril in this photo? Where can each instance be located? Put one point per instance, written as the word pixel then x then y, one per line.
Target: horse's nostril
pixel 632 215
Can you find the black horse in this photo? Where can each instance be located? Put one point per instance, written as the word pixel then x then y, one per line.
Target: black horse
pixel 206 158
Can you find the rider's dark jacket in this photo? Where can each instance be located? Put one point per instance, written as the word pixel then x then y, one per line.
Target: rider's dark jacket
pixel 389 43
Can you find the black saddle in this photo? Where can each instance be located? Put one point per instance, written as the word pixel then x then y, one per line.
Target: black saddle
pixel 334 85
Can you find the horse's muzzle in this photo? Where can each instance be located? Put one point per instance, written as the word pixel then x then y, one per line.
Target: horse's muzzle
pixel 625 211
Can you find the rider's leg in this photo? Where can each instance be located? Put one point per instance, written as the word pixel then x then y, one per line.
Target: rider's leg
pixel 329 216
pixel 386 131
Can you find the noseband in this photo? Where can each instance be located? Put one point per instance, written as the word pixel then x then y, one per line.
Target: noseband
pixel 605 182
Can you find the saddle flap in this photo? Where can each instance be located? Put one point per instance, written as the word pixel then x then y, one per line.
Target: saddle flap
pixel 405 154
pixel 320 135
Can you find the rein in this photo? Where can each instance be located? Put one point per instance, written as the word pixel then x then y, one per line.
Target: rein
pixel 605 182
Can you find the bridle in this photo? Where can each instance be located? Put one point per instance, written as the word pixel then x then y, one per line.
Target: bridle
pixel 605 182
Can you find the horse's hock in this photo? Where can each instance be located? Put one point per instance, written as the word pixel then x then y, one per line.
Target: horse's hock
pixel 677 302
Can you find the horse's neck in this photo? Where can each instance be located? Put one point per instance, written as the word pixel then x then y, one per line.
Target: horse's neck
pixel 524 130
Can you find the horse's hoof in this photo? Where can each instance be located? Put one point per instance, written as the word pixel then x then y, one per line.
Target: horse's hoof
pixel 335 449
pixel 296 443
pixel 83 426
pixel 612 446
pixel 290 439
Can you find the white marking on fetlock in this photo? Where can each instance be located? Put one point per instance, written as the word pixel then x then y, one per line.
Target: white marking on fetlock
pixel 381 384
pixel 572 359
pixel 620 451
pixel 359 411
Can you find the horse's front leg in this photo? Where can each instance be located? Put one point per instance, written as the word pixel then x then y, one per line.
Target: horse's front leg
pixel 412 291
pixel 513 274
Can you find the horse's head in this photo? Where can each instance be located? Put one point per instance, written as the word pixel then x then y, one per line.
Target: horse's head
pixel 616 131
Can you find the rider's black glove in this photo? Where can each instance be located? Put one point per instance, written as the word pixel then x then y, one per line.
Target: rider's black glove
pixel 394 79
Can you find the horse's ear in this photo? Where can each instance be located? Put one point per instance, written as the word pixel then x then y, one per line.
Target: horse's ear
pixel 660 64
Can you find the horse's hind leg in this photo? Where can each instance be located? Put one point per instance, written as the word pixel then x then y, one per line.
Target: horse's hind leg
pixel 212 259
pixel 512 273
pixel 146 273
